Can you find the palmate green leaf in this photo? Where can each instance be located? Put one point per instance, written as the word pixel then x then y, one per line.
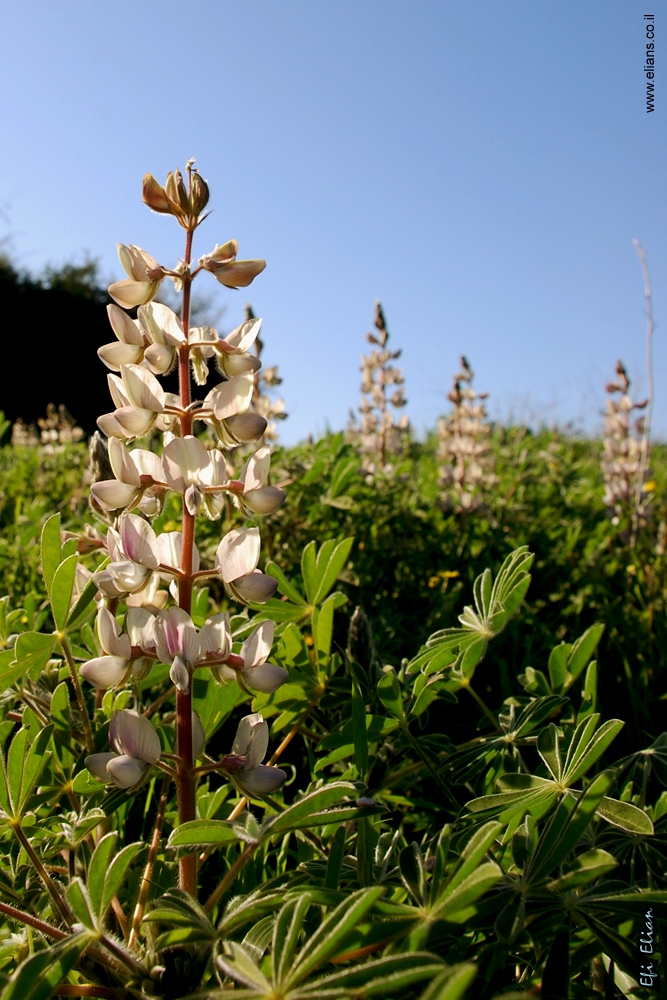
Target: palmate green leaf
pixel 582 651
pixel 473 852
pixel 566 827
pixel 105 877
pixel 284 585
pixel 214 702
pixel 62 586
pixel 79 901
pixel 258 938
pixel 50 549
pixel 323 628
pixel 548 747
pixel 24 765
pixel 329 938
pixel 512 580
pixel 455 903
pixel 380 977
pixel 452 984
pixel 32 652
pixel 38 976
pixel 558 665
pixel 527 793
pixel 202 833
pixel 310 804
pixel 330 561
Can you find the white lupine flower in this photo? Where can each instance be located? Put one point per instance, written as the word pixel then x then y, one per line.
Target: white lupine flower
pixel 257 673
pixel 144 277
pixel 133 553
pixel 236 562
pixel 139 480
pixel 136 746
pixel 227 410
pixel 177 644
pixel 215 637
pixel 123 651
pixel 258 497
pixel 230 354
pixel 199 474
pixel 130 346
pixel 139 400
pixel 163 328
pixel 229 271
pixel 248 752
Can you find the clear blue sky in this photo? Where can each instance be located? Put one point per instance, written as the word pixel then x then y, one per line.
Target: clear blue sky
pixel 480 168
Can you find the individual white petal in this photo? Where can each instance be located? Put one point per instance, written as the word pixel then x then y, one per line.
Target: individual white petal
pixel 128 293
pixel 147 463
pixel 126 771
pixel 255 650
pixel 140 626
pixel 192 500
pixel 252 739
pixel 105 671
pixel 122 464
pixel 265 500
pixel 184 460
pixel 175 633
pixel 203 335
pixel 215 473
pixel 238 364
pixel 246 427
pixel 127 576
pixel 149 596
pixel 133 421
pixel 238 553
pixel 112 495
pixel 110 427
pixel 266 678
pixel 215 635
pixel 161 324
pixel 179 675
pixel 114 545
pixel 255 472
pixel 126 329
pixel 142 388
pixel 117 390
pixel 114 355
pixel 256 588
pixel 108 629
pixel 106 585
pixel 139 541
pixel 159 358
pixel 97 765
pixel 244 335
pixel 261 780
pixel 233 397
pixel 133 734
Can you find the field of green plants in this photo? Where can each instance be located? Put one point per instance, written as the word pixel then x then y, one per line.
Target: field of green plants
pixel 365 717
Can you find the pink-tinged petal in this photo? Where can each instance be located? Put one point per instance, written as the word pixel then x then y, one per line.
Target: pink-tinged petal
pixel 261 780
pixel 252 739
pixel 232 397
pixel 133 421
pixel 126 329
pixel 114 545
pixel 255 650
pixel 159 358
pixel 125 771
pixel 122 464
pixel 97 765
pixel 112 495
pixel 140 625
pixel 266 678
pixel 139 541
pixel 246 427
pixel 238 274
pixel 161 324
pixel 146 463
pixel 265 500
pixel 256 588
pixel 170 548
pixel 133 734
pixel 238 553
pixel 115 355
pixel 142 388
pixel 111 639
pixel 215 636
pixel 179 675
pixel 174 629
pixel 128 293
pixel 244 336
pixel 127 576
pixel 105 671
pixel 117 390
pixel 255 472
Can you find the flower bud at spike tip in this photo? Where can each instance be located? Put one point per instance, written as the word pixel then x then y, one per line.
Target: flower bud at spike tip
pixel 199 196
pixel 154 195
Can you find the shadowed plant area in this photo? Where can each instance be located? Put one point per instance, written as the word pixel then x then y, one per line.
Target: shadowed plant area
pixel 299 725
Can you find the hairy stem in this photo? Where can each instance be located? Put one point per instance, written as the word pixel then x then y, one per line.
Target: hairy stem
pixel 148 870
pixel 76 683
pixel 52 889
